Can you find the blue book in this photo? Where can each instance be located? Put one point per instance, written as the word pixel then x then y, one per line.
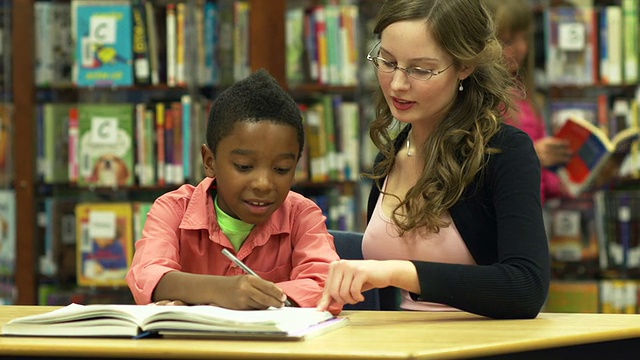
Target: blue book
pixel 211 43
pixel 103 34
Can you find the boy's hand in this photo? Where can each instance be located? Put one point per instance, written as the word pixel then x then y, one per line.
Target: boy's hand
pixel 245 292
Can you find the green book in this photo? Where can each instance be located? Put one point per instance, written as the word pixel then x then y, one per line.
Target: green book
pixel 105 147
pixel 56 143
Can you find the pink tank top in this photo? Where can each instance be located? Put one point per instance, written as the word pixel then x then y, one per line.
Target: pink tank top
pixel 381 242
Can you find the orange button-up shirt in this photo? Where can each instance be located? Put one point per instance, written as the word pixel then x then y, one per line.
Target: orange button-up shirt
pixel 293 249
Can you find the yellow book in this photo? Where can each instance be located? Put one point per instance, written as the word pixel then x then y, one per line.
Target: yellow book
pixel 104 243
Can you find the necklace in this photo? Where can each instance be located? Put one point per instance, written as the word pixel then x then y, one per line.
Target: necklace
pixel 409 153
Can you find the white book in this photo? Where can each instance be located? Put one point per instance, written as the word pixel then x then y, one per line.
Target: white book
pixel 287 323
pixel 615 44
pixel 171 45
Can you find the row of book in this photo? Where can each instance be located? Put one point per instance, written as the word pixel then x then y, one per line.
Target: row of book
pixel 92 242
pixel 588 45
pixel 594 296
pixel 595 235
pixel 121 144
pixel 158 144
pixel 333 133
pixel 139 42
pixel 323 44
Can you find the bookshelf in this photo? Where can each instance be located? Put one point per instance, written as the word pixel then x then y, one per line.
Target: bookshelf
pixel 267 48
pixel 24 159
pixel 594 236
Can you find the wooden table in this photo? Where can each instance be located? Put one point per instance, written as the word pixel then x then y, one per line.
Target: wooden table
pixel 371 335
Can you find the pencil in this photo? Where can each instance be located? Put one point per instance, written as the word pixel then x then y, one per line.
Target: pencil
pixel 248 270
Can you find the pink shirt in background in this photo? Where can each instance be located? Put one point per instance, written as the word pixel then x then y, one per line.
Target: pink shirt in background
pixel 530 122
pixel 293 249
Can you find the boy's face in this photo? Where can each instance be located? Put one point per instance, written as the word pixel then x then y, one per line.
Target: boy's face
pixel 254 169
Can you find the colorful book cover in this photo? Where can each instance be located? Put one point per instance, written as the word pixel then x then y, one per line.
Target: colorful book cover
pixel 104 233
pixel 571 45
pixel 561 110
pixel 573 239
pixel 105 147
pixel 7 233
pixel 596 159
pixel 104 49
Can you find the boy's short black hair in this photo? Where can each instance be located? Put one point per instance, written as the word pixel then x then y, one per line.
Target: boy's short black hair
pixel 256 98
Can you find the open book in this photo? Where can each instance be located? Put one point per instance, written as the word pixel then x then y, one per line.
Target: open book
pixel 287 323
pixel 596 159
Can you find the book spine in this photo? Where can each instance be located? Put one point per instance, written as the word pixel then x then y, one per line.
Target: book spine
pixel 150 165
pixel 141 61
pixel 171 44
pixel 140 144
pixel 186 136
pixel 74 136
pixel 181 79
pixel 160 142
pixel 630 33
pixel 152 35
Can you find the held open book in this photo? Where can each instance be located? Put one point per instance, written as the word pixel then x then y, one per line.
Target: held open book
pixel 75 320
pixel 596 159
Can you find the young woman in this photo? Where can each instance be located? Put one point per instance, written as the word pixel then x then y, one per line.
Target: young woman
pixel 455 220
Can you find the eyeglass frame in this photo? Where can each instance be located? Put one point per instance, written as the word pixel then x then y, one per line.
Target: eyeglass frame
pixel 404 69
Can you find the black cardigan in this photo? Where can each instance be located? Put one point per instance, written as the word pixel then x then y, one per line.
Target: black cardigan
pixel 500 219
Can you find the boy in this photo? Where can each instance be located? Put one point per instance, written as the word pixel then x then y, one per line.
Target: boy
pixel 255 138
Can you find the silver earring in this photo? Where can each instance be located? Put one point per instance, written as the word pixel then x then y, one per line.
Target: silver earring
pixel 460 88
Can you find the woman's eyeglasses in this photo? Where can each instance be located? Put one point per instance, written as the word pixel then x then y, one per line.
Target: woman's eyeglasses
pixel 414 72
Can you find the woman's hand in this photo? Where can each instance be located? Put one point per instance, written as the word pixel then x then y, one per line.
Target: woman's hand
pixel 348 279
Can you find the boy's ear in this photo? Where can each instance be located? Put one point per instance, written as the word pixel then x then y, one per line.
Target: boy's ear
pixel 208 160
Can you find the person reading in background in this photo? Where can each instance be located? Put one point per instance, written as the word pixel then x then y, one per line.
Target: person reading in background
pixel 254 138
pixel 454 214
pixel 515 24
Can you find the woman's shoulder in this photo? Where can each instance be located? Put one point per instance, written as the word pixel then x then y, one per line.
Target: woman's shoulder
pixel 510 136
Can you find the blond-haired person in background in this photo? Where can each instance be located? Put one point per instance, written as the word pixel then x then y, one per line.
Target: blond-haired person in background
pixel 515 25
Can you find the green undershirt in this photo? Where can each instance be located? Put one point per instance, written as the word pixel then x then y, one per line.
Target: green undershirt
pixel 236 230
